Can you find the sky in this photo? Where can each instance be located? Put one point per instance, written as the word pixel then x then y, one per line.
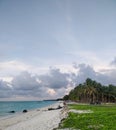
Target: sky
pixel 47 47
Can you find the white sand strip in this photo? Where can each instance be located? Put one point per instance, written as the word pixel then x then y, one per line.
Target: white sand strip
pixel 34 120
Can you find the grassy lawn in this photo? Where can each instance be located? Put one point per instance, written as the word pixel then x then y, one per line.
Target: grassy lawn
pixel 102 118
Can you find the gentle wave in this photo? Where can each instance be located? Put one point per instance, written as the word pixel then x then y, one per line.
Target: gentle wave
pixel 19 106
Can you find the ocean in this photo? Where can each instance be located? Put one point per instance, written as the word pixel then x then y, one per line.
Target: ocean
pixel 19 106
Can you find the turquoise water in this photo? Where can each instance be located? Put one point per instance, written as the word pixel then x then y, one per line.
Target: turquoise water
pixel 19 106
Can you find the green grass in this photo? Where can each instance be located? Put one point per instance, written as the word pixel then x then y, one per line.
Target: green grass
pixel 102 118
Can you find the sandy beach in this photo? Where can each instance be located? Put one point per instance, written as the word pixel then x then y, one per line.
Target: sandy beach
pixel 39 119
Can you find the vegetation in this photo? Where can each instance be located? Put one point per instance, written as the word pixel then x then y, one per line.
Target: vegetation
pixel 102 118
pixel 92 92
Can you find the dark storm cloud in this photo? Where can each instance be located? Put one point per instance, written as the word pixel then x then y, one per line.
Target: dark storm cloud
pixel 27 85
pixel 55 79
pixel 25 81
pixel 5 90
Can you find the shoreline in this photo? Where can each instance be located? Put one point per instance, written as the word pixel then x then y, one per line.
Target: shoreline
pixel 38 119
pixel 5 113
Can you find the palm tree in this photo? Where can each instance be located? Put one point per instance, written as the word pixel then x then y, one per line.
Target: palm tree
pixel 91 91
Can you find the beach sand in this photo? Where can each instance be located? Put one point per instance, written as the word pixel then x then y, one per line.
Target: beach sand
pixel 39 119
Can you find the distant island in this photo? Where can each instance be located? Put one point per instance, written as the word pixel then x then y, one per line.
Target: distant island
pixel 59 99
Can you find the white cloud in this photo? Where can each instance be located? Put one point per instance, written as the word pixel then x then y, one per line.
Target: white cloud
pixel 7 79
pixel 113 62
pixel 52 92
pixel 13 68
pixel 66 68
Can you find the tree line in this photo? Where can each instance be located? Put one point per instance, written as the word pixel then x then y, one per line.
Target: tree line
pixel 92 92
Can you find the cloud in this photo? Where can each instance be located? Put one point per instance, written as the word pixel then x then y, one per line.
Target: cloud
pixel 27 85
pixel 5 90
pixel 24 85
pixel 51 91
pixel 12 67
pixel 55 79
pixel 50 85
pixel 54 83
pixel 83 72
pixel 88 57
pixel 87 71
pixel 25 81
pixel 113 62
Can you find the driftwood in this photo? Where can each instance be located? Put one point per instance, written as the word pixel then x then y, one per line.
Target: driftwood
pixel 59 107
